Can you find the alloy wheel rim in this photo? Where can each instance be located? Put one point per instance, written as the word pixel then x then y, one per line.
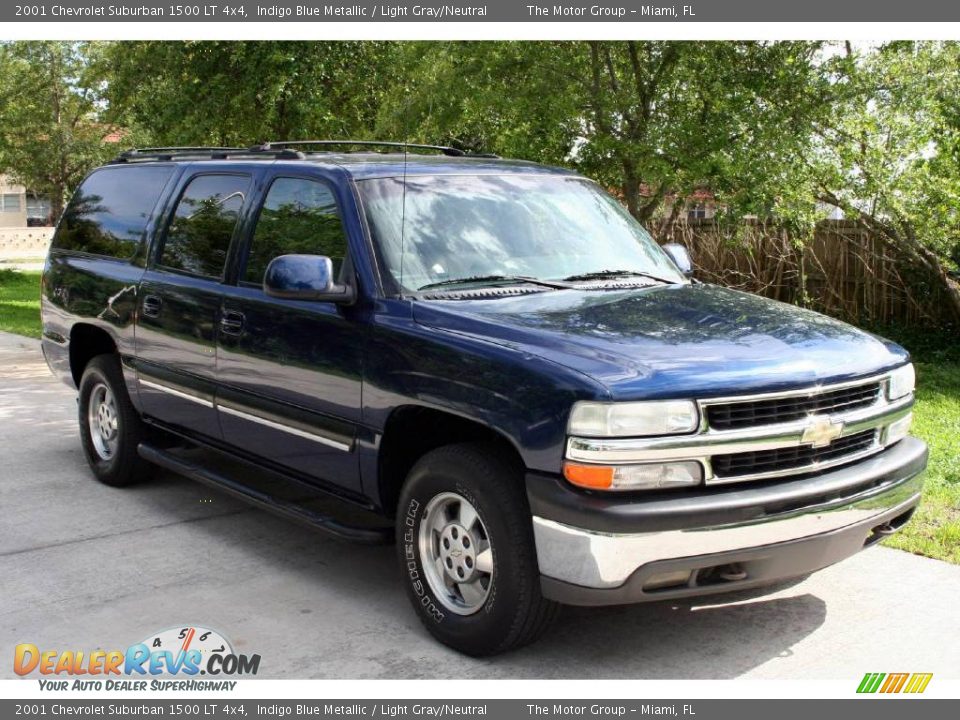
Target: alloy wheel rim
pixel 103 422
pixel 456 553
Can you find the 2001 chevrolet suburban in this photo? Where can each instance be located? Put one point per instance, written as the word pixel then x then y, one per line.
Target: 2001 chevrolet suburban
pixel 489 360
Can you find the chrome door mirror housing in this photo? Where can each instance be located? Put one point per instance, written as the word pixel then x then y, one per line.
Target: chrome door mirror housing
pixel 305 277
pixel 681 258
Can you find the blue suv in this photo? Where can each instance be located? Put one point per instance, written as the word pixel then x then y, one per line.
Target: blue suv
pixel 488 361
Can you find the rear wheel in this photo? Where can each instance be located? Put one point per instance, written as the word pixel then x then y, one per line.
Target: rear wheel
pixel 110 428
pixel 467 552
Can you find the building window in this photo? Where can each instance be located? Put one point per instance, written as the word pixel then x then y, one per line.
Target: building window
pixel 10 202
pixel 38 207
pixel 697 212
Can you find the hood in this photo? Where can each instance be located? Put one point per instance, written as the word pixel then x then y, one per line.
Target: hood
pixel 672 341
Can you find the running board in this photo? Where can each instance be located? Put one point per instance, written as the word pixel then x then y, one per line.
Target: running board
pixel 324 523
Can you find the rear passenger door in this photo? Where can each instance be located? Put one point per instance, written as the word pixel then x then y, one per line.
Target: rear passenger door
pixel 289 371
pixel 180 302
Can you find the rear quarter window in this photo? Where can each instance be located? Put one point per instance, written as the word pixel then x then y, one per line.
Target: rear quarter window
pixel 110 211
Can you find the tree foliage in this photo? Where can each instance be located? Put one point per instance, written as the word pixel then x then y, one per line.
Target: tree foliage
pixel 888 154
pixel 238 93
pixel 49 114
pixel 773 129
pixel 648 118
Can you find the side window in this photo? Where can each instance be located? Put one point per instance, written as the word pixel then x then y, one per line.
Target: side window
pixel 202 226
pixel 111 209
pixel 299 216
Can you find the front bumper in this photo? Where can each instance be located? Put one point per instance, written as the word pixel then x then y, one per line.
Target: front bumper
pixel 594 549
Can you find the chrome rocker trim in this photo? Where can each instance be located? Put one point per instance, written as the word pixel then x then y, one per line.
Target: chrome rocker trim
pixel 210 402
pixel 183 394
pixel 305 434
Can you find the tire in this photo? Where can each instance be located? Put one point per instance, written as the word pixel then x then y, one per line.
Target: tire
pixel 501 607
pixel 104 403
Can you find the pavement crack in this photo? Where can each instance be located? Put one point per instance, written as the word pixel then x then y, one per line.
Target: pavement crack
pixel 103 536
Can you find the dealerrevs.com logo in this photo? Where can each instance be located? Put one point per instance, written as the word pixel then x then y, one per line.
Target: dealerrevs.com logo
pixel 185 652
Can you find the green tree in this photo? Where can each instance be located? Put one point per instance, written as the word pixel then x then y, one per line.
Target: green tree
pixel 49 114
pixel 238 93
pixel 888 154
pixel 648 118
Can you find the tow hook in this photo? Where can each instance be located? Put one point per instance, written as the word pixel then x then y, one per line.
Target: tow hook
pixel 884 530
pixel 733 572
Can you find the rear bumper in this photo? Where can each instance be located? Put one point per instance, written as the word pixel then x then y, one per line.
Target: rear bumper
pixel 597 550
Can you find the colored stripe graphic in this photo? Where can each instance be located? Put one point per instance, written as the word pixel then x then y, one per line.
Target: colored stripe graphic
pixel 894 682
pixel 918 682
pixel 870 682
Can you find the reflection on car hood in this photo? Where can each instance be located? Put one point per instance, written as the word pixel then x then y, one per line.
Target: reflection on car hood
pixel 672 341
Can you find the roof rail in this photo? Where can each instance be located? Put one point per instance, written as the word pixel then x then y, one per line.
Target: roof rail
pixel 277 149
pixel 213 153
pixel 446 150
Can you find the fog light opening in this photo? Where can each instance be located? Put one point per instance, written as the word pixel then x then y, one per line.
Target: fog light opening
pixel 667 580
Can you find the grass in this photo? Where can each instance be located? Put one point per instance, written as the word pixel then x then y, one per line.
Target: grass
pixel 20 302
pixel 934 530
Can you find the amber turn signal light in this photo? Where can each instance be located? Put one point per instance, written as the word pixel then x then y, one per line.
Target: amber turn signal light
pixel 595 477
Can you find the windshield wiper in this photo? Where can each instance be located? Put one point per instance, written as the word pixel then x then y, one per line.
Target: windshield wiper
pixel 608 274
pixel 494 279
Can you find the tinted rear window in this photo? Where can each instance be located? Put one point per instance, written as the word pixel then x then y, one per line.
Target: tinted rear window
pixel 202 226
pixel 111 210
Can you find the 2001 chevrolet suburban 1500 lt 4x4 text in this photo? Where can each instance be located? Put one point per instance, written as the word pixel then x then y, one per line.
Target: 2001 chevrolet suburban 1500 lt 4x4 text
pixel 488 360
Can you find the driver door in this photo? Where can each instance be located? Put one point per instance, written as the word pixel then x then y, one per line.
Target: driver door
pixel 289 371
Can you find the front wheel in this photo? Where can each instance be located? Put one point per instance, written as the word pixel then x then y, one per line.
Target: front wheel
pixel 467 551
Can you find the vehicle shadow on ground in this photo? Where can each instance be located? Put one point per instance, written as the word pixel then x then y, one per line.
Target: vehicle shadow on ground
pixel 709 638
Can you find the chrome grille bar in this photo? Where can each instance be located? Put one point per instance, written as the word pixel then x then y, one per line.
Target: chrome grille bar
pixel 710 442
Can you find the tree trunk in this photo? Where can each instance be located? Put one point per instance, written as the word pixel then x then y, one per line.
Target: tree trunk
pixel 57 203
pixel 631 188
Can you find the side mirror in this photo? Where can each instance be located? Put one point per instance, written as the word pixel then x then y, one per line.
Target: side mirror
pixel 681 258
pixel 305 277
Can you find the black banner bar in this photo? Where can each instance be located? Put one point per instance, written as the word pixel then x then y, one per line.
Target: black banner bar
pixel 735 11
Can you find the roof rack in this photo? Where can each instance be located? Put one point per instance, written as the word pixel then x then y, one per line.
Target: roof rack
pixel 277 149
pixel 213 153
pixel 451 151
pixel 444 149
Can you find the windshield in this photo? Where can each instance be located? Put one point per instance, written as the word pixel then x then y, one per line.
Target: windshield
pixel 482 227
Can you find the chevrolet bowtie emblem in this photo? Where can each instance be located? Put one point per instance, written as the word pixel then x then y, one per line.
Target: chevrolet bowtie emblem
pixel 821 431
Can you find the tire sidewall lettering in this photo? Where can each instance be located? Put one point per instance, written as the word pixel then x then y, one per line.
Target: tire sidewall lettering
pixel 411 555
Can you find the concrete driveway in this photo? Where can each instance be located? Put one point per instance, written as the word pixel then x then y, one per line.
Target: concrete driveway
pixel 85 566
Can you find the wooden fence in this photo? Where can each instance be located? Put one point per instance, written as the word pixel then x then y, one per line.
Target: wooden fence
pixel 845 271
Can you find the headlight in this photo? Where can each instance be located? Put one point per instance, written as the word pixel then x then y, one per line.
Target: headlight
pixel 633 419
pixel 652 476
pixel 901 383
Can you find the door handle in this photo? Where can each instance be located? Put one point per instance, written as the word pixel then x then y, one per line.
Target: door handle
pixel 231 322
pixel 151 306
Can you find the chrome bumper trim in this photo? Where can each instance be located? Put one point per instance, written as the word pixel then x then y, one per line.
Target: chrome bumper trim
pixel 601 560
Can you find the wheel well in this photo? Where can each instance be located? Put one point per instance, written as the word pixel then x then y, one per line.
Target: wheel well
pixel 86 342
pixel 412 431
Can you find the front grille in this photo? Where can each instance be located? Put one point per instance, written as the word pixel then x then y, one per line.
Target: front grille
pixel 735 415
pixel 771 461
